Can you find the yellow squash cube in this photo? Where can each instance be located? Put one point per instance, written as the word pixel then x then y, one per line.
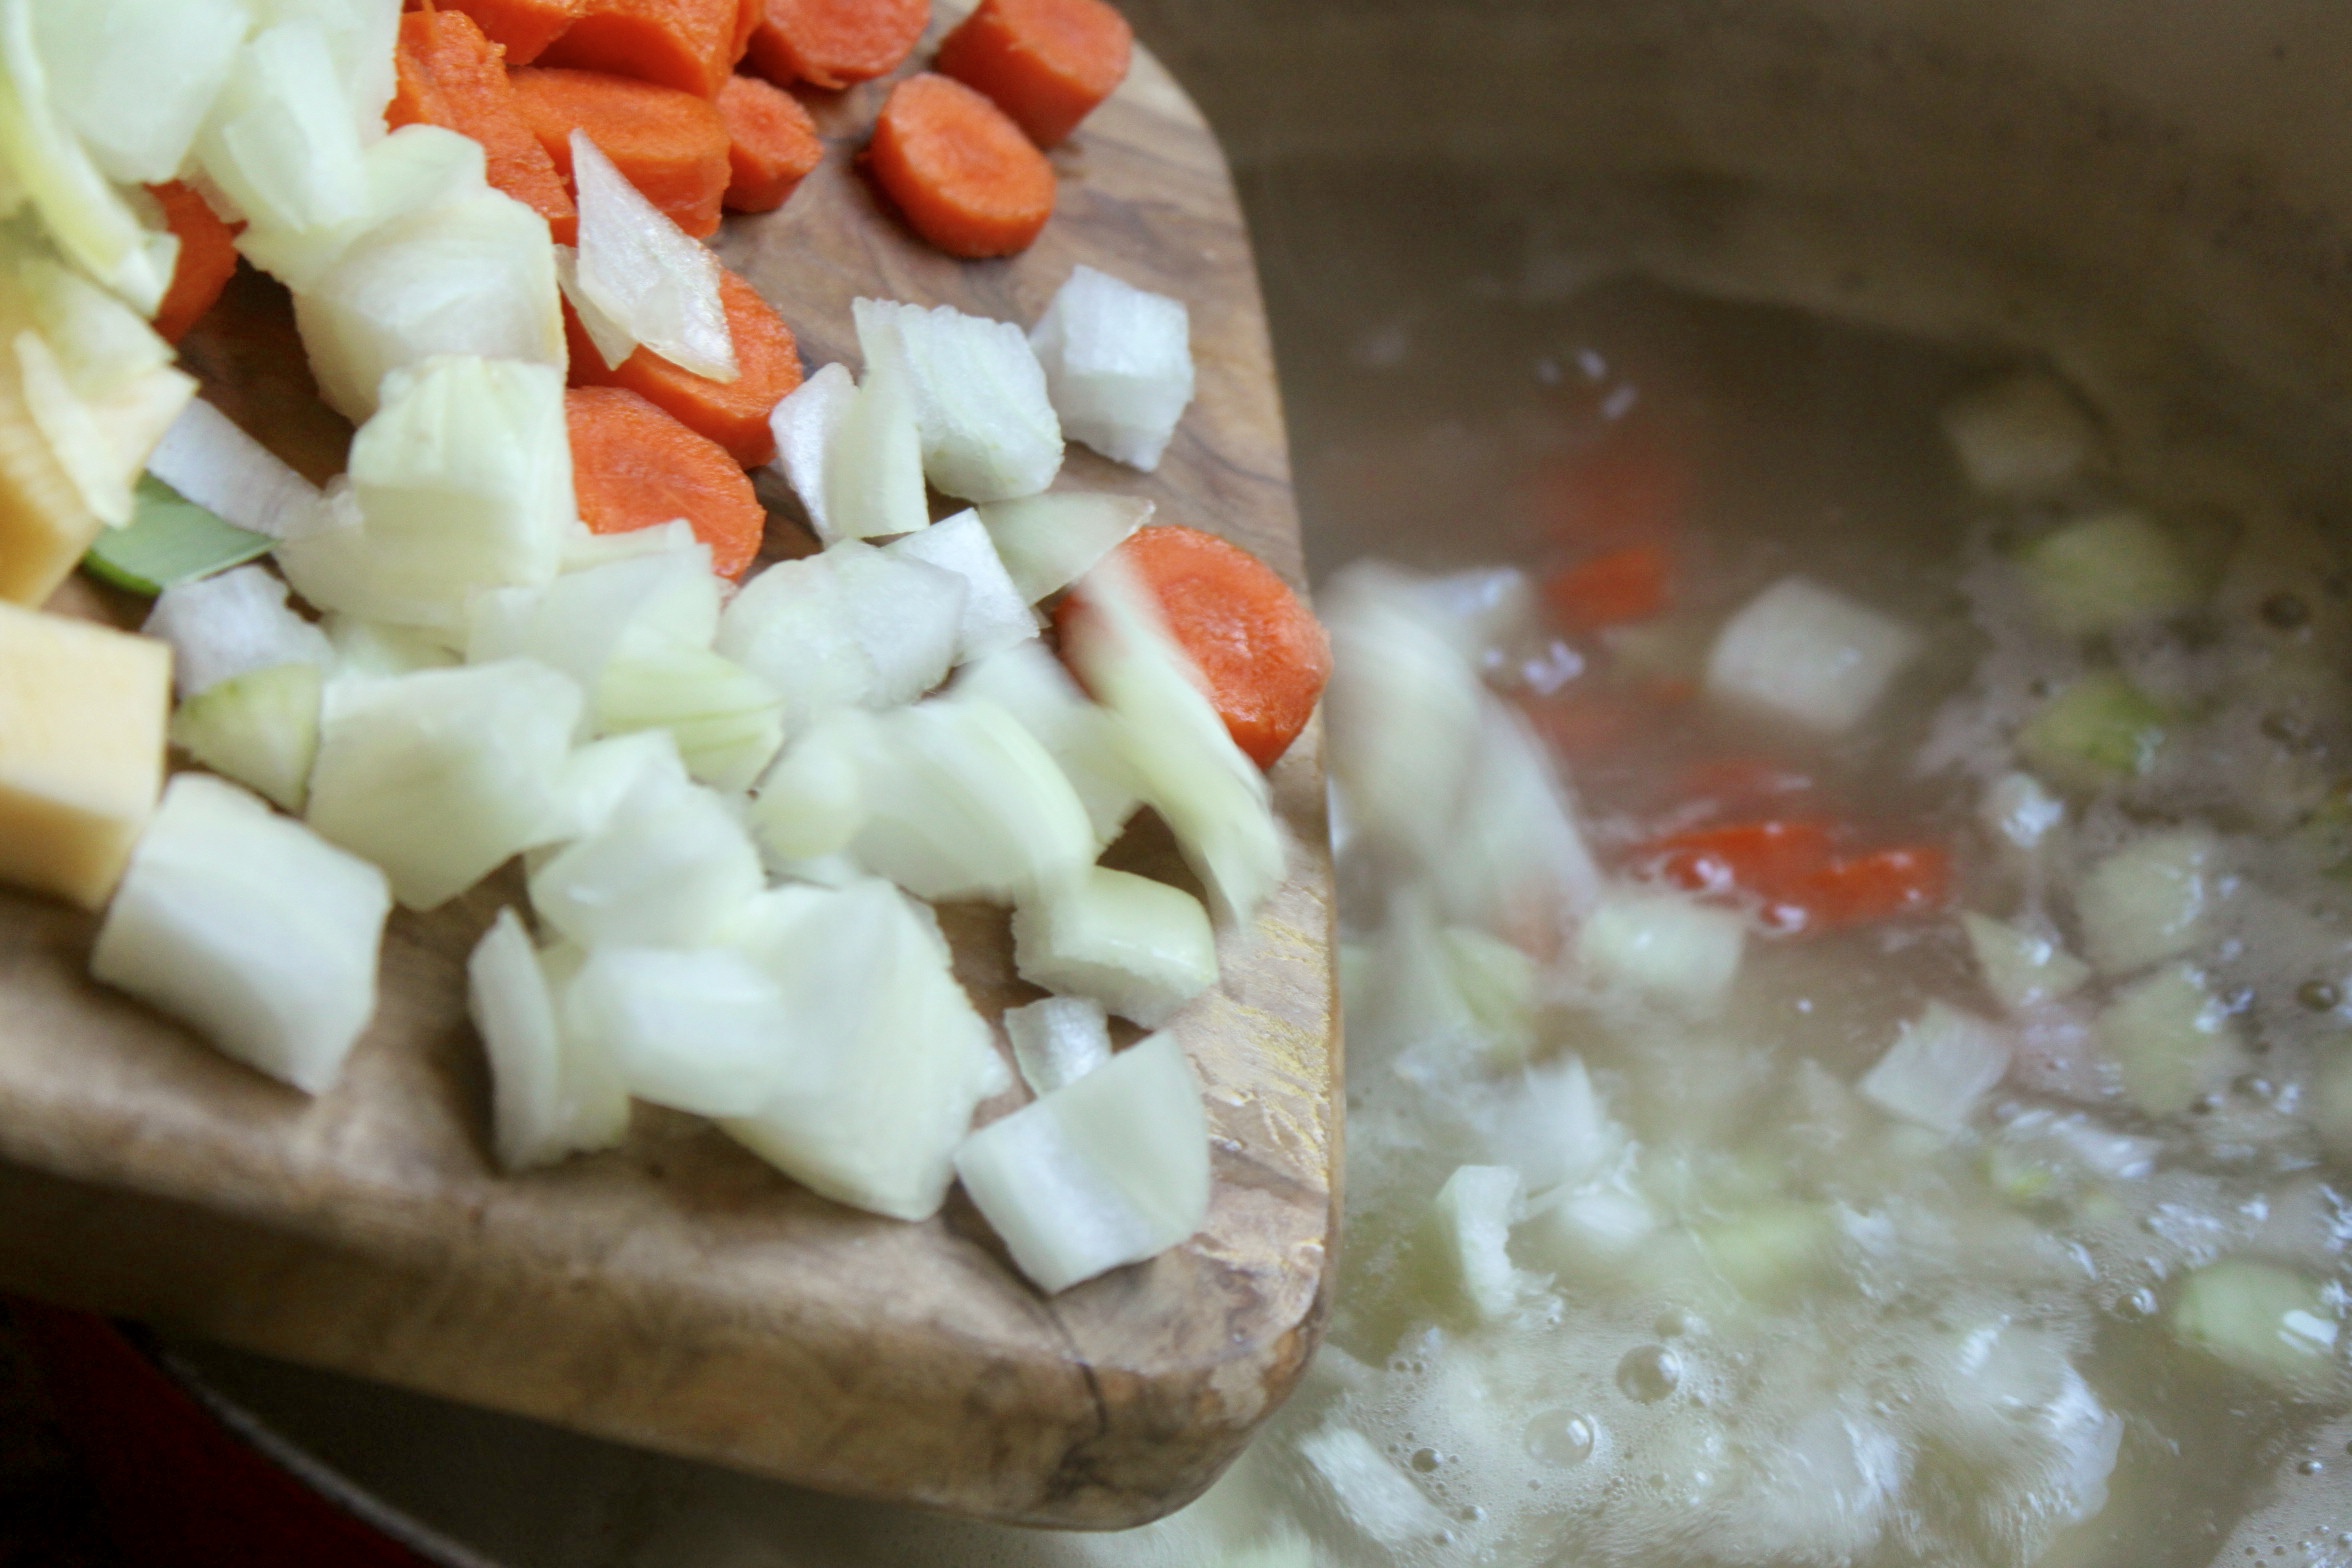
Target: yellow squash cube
pixel 82 716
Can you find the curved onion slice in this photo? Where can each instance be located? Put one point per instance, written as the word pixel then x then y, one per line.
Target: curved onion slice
pixel 648 276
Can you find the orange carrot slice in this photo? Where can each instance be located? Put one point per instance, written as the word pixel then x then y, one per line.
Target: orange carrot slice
pixel 671 145
pixel 634 467
pixel 523 28
pixel 961 172
pixel 732 413
pixel 1615 588
pixel 207 260
pixel 1046 63
pixel 1263 653
pixel 772 144
pixel 690 45
pixel 452 75
pixel 832 43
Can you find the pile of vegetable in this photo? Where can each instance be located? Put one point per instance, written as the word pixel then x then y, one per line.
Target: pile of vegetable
pixel 525 621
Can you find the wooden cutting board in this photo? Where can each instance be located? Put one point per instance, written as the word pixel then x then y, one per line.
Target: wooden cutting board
pixel 677 1293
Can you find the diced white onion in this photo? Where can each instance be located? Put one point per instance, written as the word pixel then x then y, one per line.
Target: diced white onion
pixel 2171 1038
pixel 1048 542
pixel 1475 1209
pixel 728 722
pixel 260 728
pixel 440 776
pixel 995 614
pixel 890 1061
pixel 805 424
pixel 1031 685
pixel 208 459
pixel 415 168
pixel 361 38
pixel 1803 653
pixel 1118 363
pixel 1183 760
pixel 1108 1170
pixel 281 142
pixel 613 342
pixel 2018 810
pixel 135 78
pixel 1939 1067
pixel 1371 1492
pixel 2023 968
pixel 988 428
pixel 550 1096
pixel 961 802
pixel 1058 1040
pixel 226 625
pixel 82 211
pixel 671 866
pixel 813 801
pixel 701 1031
pixel 1655 946
pixel 1515 862
pixel 366 650
pixel 249 927
pixel 475 275
pixel 873 467
pixel 853 626
pixel 2021 438
pixel 2151 900
pixel 1141 948
pixel 649 277
pixel 597 777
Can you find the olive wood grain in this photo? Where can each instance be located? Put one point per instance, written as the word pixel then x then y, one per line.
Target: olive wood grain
pixel 678 1293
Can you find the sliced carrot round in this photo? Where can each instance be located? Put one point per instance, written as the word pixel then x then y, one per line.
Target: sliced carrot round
pixel 732 413
pixel 671 145
pixel 965 177
pixel 449 73
pixel 772 144
pixel 523 28
pixel 691 45
pixel 1261 650
pixel 207 259
pixel 832 43
pixel 634 467
pixel 1047 63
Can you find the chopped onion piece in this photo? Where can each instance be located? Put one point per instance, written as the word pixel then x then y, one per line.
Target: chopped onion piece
pixel 1141 948
pixel 2264 1320
pixel 282 142
pixel 806 424
pixel 612 340
pixel 597 777
pixel 995 614
pixel 440 776
pixel 1939 1067
pixel 1515 862
pixel 1588 1233
pixel 1183 760
pixel 260 728
pixel 361 37
pixel 208 459
pixel 1059 1040
pixel 2151 900
pixel 1482 611
pixel 583 549
pixel 550 1096
pixel 1371 1492
pixel 890 1060
pixel 1475 1209
pixel 1661 947
pixel 649 277
pixel 2172 1038
pixel 1803 653
pixel 1109 1170
pixel 135 78
pixel 365 649
pixel 701 1031
pixel 251 928
pixel 2022 438
pixel 583 620
pixel 462 481
pixel 873 468
pixel 988 428
pixel 728 722
pixel 1031 685
pixel 1118 363
pixel 961 802
pixel 474 275
pixel 853 626
pixel 82 211
pixel 671 866
pixel 813 801
pixel 2023 968
pixel 2019 811
pixel 227 625
pixel 1048 542
pixel 415 168
pixel 2107 573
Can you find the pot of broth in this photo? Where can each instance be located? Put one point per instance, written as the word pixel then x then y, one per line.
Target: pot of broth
pixel 1842 798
